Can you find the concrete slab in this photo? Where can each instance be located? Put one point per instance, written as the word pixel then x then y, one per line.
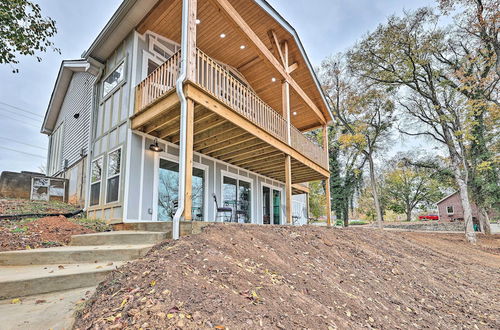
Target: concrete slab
pixel 73 254
pixel 19 281
pixel 118 238
pixel 41 312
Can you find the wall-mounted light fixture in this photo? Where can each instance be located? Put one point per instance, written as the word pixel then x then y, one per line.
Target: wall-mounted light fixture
pixel 155 147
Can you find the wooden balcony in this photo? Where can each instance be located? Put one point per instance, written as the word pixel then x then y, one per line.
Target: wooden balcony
pixel 156 113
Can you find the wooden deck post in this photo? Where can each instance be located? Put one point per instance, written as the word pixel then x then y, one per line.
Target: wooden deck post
pixel 327 181
pixel 188 197
pixel 191 44
pixel 191 75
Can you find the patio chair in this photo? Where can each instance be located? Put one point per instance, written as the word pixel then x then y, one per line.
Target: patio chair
pixel 222 211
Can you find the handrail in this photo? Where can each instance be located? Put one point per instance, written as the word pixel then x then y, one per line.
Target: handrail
pixel 221 84
pixel 158 82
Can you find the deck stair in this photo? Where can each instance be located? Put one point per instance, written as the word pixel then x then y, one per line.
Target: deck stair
pixel 85 262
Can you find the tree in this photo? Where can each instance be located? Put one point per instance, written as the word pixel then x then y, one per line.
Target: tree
pixel 400 55
pixel 24 31
pixel 408 186
pixel 364 113
pixel 317 199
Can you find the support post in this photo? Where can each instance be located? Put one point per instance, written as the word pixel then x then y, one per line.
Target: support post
pixel 327 181
pixel 188 192
pixel 191 41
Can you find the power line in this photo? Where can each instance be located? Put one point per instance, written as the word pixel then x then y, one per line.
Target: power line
pixel 20 114
pixel 26 144
pixel 21 109
pixel 22 152
pixel 20 121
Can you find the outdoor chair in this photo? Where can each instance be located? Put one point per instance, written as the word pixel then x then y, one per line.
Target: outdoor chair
pixel 222 211
pixel 242 210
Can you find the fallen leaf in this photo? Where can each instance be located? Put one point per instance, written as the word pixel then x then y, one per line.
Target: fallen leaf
pixel 15 301
pixel 40 301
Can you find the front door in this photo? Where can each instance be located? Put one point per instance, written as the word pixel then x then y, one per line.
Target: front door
pixel 271 204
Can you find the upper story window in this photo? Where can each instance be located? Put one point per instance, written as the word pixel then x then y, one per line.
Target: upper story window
pixel 449 210
pixel 114 79
pixel 160 49
pixel 56 146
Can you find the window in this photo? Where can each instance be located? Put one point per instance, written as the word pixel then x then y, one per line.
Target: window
pixel 449 209
pixel 113 176
pixel 95 181
pixel 168 191
pixel 113 79
pixel 55 159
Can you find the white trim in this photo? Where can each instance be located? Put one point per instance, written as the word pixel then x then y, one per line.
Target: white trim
pixel 120 83
pixel 238 178
pixel 98 181
pixel 145 58
pixel 120 147
pixel 141 175
pixel 175 159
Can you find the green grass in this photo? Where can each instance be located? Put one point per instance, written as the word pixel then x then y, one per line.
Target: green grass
pixel 19 206
pixel 357 222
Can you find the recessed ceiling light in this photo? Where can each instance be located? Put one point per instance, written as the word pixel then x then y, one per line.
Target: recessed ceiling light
pixel 223 35
pixel 198 21
pixel 273 79
pixel 243 47
pixel 295 113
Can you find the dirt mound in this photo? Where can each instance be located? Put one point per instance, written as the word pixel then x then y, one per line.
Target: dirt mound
pixel 43 232
pixel 24 206
pixel 245 277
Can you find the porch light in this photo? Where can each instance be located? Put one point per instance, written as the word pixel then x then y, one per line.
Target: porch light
pixel 155 147
pixel 243 47
pixel 198 21
pixel 223 35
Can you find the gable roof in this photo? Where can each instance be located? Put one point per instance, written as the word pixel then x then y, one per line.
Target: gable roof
pixel 445 198
pixel 68 67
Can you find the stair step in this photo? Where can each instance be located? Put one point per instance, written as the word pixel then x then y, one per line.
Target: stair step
pixel 118 238
pixel 20 281
pixel 73 255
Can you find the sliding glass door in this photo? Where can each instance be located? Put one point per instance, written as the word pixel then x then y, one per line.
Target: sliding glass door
pixel 271 206
pixel 168 191
pixel 237 194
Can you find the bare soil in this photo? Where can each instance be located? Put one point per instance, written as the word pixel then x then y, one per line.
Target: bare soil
pixel 43 232
pixel 268 277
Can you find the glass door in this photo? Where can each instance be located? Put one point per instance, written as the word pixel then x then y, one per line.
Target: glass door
pixel 168 191
pixel 237 194
pixel 266 204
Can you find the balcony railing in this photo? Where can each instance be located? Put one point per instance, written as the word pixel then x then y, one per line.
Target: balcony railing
pixel 221 84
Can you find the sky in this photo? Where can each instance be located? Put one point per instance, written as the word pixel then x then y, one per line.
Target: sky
pixel 325 27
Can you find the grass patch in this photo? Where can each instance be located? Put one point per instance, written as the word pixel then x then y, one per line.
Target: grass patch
pixel 358 222
pixel 94 224
pixel 22 206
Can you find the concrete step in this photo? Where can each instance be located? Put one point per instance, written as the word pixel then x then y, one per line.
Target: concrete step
pixel 20 281
pixel 55 310
pixel 118 238
pixel 73 255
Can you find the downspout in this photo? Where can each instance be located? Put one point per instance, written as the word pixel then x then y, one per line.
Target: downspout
pixel 183 102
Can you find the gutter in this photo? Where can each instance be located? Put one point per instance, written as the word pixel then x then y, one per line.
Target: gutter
pixel 183 137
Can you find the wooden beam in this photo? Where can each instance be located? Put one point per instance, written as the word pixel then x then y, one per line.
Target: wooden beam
pixel 273 155
pixel 191 40
pixel 327 183
pixel 162 122
pixel 306 190
pixel 163 105
pixel 202 122
pixel 276 46
pixel 293 67
pixel 217 140
pixel 207 135
pixel 250 153
pixel 249 64
pixel 227 143
pixel 222 110
pixel 240 24
pixel 188 195
pixel 236 149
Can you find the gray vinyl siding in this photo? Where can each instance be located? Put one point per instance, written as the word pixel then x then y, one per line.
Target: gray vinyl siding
pixel 75 137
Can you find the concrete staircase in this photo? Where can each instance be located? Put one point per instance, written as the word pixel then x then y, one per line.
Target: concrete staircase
pixel 84 263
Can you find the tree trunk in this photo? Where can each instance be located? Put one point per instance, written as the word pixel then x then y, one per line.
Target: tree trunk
pixel 464 197
pixel 484 221
pixel 408 214
pixel 373 183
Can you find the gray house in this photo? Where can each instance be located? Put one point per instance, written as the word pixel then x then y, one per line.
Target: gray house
pixel 227 146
